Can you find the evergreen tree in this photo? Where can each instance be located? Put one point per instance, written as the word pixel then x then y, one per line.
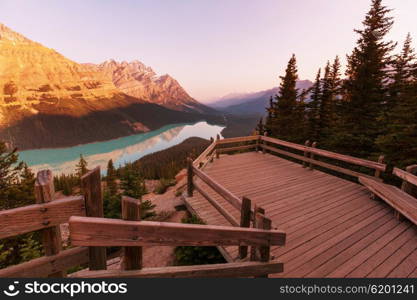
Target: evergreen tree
pixel 16 189
pixel 365 86
pixel 111 178
pixel 314 109
pixel 399 142
pixel 81 167
pixel 284 123
pixel 260 127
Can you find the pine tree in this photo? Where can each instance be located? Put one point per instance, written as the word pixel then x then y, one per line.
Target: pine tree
pixel 111 178
pixel 260 127
pixel 284 123
pixel 399 142
pixel 314 109
pixel 365 86
pixel 81 167
pixel 9 176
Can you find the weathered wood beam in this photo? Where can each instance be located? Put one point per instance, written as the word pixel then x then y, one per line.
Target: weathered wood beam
pixel 39 216
pixel 103 232
pixel 238 269
pixel 319 163
pixel 46 265
pixel 51 237
pixel 238 139
pixel 408 175
pixel 217 205
pixel 91 189
pixel 329 154
pixel 132 259
pixel 232 199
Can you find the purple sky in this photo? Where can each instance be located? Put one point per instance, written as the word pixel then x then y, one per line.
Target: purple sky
pixel 212 47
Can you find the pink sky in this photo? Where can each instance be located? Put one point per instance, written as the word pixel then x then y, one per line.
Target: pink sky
pixel 212 48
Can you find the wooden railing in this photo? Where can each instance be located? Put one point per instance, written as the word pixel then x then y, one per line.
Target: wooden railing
pixel 90 234
pixel 100 232
pixel 46 216
pixel 256 215
pixel 309 154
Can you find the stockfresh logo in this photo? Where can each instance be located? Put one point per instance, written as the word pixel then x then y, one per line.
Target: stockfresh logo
pixel 12 290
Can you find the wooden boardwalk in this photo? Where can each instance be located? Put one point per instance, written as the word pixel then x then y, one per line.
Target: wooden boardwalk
pixel 333 227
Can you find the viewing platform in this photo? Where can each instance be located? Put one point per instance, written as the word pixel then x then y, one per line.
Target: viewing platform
pixel 334 227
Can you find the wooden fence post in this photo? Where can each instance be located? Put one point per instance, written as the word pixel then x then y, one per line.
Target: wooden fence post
pixel 190 175
pixel 51 237
pixel 306 153
pixel 378 172
pixel 261 222
pixel 91 189
pixel 245 213
pixel 408 187
pixel 258 212
pixel 314 145
pixel 263 149
pixel 132 259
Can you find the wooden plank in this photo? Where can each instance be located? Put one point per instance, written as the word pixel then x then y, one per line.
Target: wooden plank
pixel 238 139
pixel 245 214
pixel 51 237
pixel 46 265
pixel 190 175
pixel 397 199
pixel 361 257
pixel 329 154
pixel 311 166
pixel 39 216
pixel 91 189
pixel 237 148
pixel 205 153
pixel 407 176
pixel 132 259
pixel 111 232
pixel 238 269
pixel 318 163
pixel 232 199
pixel 216 204
pixel 306 154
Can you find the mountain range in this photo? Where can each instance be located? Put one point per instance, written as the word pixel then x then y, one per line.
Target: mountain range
pixel 251 103
pixel 48 100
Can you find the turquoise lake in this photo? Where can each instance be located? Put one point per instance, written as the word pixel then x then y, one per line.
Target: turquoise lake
pixel 121 150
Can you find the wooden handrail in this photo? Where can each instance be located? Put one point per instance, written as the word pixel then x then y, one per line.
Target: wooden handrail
pixel 86 231
pixel 205 153
pixel 237 269
pixel 39 216
pixel 328 154
pixel 238 139
pixel 217 205
pixel 46 265
pixel 404 175
pixel 231 198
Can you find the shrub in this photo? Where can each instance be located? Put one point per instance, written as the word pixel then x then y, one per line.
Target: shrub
pixel 163 185
pixel 190 255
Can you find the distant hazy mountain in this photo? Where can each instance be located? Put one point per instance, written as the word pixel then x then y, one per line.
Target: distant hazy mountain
pixel 251 103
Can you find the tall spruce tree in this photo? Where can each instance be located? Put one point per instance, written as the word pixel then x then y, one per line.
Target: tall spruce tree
pixel 81 167
pixel 284 123
pixel 111 178
pixel 314 109
pixel 365 86
pixel 399 142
